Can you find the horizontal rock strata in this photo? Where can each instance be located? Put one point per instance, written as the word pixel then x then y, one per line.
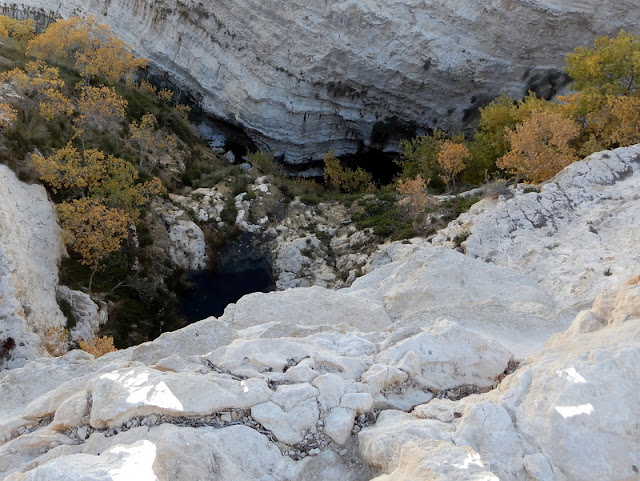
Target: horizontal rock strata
pixel 305 77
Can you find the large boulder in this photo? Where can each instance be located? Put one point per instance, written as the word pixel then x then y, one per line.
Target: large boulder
pixel 305 77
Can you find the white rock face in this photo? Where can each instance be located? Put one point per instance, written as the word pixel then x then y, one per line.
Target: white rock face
pixel 304 77
pixel 308 306
pixel 575 238
pixel 87 315
pixel 297 394
pixel 117 462
pixel 419 284
pixel 581 385
pixel 206 203
pixel 187 247
pixel 30 250
pixel 438 461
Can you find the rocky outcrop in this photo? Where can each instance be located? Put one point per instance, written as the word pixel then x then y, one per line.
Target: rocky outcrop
pixel 84 316
pixel 30 250
pixel 419 284
pixel 298 396
pixel 291 392
pixel 303 78
pixel 570 413
pixel 318 245
pixel 182 239
pixel 575 238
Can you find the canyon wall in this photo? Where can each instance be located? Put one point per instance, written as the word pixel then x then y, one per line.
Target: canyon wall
pixel 303 77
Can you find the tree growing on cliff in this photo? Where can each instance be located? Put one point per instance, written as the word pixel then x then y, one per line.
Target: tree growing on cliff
pixel 540 147
pixel 612 67
pixel 490 140
pixel 414 192
pixel 92 230
pixel 19 31
pixel 91 173
pixel 40 85
pixel 419 156
pixel 452 159
pixel 345 180
pixel 607 80
pixel 100 108
pixel 98 346
pixel 8 115
pixel 151 141
pixel 88 46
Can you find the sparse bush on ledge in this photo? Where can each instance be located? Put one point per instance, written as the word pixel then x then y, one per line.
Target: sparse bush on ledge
pixel 98 346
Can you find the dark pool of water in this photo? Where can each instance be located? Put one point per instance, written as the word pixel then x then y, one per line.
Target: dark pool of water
pixel 213 291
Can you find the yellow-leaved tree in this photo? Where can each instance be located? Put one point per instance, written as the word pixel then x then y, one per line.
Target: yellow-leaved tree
pixel 100 108
pixel 151 141
pixel 490 141
pixel 89 47
pixel 8 115
pixel 414 192
pixel 20 31
pixel 540 147
pixel 40 85
pixel 345 180
pixel 98 346
pixel 452 159
pixel 104 197
pixel 90 173
pixel 92 230
pixel 607 80
pixel 611 67
pixel 68 168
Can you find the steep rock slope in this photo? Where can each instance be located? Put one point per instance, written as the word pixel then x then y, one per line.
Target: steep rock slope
pixel 30 249
pixel 303 77
pixel 376 385
pixel 570 413
pixel 576 237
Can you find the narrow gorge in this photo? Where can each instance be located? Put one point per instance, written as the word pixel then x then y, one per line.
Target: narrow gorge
pixel 419 330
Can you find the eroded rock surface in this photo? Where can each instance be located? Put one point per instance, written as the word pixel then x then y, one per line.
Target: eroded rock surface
pixel 30 250
pixel 575 238
pixel 306 77
pixel 570 413
pixel 299 397
pixel 418 284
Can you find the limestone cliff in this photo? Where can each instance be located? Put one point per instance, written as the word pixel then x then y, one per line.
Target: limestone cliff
pixel 303 77
pixel 30 250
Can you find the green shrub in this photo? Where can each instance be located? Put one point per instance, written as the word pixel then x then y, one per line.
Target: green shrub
pixel 345 180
